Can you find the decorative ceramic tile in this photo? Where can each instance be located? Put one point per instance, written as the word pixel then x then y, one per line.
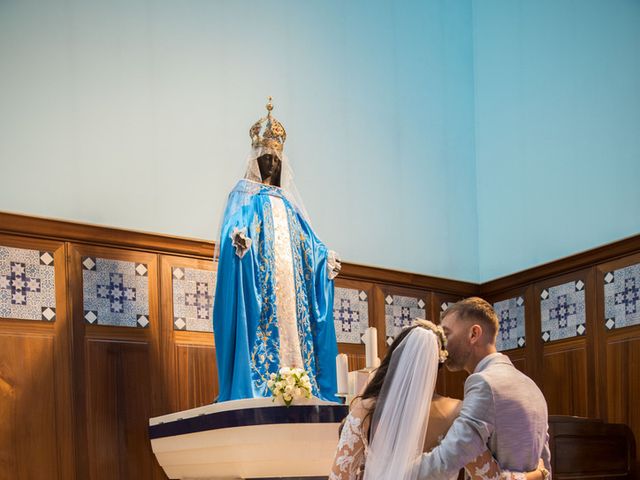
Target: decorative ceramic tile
pixel 511 317
pixel 445 305
pixel 350 314
pixel 399 312
pixel 27 284
pixel 562 310
pixel 193 292
pixel 622 297
pixel 116 292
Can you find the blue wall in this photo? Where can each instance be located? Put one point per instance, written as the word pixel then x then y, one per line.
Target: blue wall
pixel 135 114
pixel 557 103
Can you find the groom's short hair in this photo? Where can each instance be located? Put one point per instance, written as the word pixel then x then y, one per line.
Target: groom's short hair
pixel 475 308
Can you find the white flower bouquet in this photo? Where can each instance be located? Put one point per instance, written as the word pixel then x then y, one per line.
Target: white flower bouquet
pixel 289 384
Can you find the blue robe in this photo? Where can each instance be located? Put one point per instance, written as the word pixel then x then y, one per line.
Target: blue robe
pixel 245 316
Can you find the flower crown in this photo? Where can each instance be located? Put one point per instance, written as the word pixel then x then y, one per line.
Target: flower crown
pixel 442 339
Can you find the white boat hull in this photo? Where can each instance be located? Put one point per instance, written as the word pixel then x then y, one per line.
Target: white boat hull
pixel 252 438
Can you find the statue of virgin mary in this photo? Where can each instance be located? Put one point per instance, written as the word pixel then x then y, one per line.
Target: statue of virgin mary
pixel 274 296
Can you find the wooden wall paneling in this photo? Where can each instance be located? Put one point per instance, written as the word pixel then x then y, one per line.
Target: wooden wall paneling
pixel 188 357
pixel 618 362
pixel 566 366
pixel 385 276
pixel 76 232
pixel 588 449
pixel 519 359
pixel 356 351
pixel 572 263
pixel 449 383
pixel 107 381
pixel 36 428
pixel 622 359
pixel 84 233
pixel 525 358
pixel 565 378
pixel 118 384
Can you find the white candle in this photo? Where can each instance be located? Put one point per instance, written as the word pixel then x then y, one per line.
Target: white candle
pixel 353 382
pixel 371 346
pixel 342 372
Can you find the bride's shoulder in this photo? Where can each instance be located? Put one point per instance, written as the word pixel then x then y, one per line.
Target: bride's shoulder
pixel 447 406
pixel 361 406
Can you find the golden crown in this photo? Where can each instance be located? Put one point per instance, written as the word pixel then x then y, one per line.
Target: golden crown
pixel 268 132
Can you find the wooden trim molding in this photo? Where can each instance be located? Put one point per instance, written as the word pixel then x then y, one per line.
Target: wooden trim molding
pixel 563 266
pixel 65 230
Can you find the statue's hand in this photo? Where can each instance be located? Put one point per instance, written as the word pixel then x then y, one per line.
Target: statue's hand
pixel 333 265
pixel 240 241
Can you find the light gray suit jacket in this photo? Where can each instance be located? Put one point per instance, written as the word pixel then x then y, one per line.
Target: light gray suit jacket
pixel 503 410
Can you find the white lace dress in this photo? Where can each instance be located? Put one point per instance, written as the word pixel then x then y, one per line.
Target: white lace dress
pixel 352 448
pixel 351 454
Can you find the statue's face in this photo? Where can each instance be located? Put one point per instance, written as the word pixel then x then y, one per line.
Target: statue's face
pixel 270 168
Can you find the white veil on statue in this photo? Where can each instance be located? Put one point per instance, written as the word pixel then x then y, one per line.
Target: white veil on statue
pixel 401 414
pixel 287 185
pixel 268 137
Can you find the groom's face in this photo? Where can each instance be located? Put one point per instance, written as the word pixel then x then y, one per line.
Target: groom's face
pixel 458 341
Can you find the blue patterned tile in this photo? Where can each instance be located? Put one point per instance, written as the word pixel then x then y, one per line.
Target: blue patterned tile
pixel 562 310
pixel 115 292
pixel 511 317
pixel 27 284
pixel 193 293
pixel 622 297
pixel 350 314
pixel 399 312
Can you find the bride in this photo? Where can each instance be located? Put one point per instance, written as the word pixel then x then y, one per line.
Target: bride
pixel 384 434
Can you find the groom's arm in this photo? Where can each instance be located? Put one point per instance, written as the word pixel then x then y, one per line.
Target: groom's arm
pixel 468 436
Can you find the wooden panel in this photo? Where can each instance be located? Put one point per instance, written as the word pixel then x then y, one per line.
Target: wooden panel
pixel 36 405
pixel 590 449
pixel 518 359
pixel 188 358
pixel 118 380
pixel 618 361
pixel 196 375
pixel 623 379
pixel 565 381
pixel 452 383
pixel 27 406
pixel 567 366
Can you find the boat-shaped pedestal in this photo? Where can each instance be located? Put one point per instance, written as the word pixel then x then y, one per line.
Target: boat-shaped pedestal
pixel 251 438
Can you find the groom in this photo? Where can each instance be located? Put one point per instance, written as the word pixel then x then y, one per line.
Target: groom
pixel 503 409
